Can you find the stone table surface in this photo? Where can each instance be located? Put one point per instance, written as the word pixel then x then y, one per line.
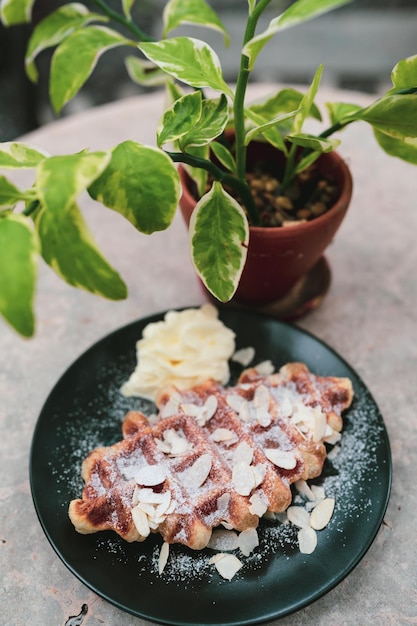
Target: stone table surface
pixel 369 317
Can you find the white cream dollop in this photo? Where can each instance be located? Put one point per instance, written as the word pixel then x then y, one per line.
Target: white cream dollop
pixel 184 349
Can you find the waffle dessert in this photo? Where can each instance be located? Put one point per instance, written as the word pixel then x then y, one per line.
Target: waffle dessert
pixel 213 456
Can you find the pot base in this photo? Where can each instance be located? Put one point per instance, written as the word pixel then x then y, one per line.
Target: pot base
pixel 306 296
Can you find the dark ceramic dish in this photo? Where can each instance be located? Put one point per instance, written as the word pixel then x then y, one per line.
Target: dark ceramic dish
pixel 85 409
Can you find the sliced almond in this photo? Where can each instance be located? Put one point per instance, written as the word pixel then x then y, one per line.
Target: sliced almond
pixel 244 356
pixel 303 488
pixel 150 475
pixel 265 368
pixel 259 472
pixel 261 397
pixel 228 566
pixel 248 541
pixel 322 513
pixel 243 453
pixel 298 516
pixel 281 458
pixel 257 505
pixel 196 475
pixel 222 434
pixel 243 479
pixel 140 519
pixel 163 557
pixel 307 540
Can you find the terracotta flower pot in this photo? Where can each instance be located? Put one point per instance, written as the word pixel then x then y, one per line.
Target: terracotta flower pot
pixel 278 257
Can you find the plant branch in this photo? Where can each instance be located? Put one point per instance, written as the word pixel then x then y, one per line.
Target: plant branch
pixel 121 19
pixel 239 186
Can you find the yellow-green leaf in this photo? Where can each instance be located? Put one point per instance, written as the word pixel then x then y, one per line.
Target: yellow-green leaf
pixel 54 28
pixel 404 74
pixel 189 60
pixel 142 184
pixel 405 149
pixel 15 154
pixel 180 118
pixel 144 72
pixel 70 250
pixel 19 249
pixel 197 12
pixel 10 194
pixel 297 13
pixel 219 236
pixel 16 11
pixel 61 179
pixel 75 59
pixel 211 123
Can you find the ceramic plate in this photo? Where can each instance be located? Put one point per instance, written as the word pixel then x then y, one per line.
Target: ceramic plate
pixel 85 410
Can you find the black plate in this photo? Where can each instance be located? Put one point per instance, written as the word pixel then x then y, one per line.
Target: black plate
pixel 85 410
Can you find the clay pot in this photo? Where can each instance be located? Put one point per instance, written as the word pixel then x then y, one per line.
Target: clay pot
pixel 279 257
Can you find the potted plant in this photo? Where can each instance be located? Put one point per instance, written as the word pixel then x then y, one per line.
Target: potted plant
pixel 209 128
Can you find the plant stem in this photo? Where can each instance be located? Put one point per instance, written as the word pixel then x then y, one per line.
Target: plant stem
pixel 240 92
pixel 121 19
pixel 238 185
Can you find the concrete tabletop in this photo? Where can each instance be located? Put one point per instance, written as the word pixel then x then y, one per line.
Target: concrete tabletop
pixel 369 317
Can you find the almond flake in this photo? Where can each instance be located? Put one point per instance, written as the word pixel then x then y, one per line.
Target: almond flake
pixel 248 541
pixel 140 519
pixel 307 540
pixel 261 397
pixel 265 368
pixel 197 474
pixel 303 488
pixel 319 493
pixel 149 496
pixel 298 516
pixel 322 514
pixel 150 475
pixel 223 503
pixel 259 472
pixel 243 453
pixel 281 458
pixel 263 417
pixel 222 434
pixel 244 356
pixel 210 407
pixel 235 402
pixel 223 540
pixel 243 479
pixel 257 505
pixel 320 425
pixel 228 566
pixel 163 557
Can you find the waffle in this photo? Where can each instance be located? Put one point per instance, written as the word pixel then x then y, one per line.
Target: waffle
pixel 213 456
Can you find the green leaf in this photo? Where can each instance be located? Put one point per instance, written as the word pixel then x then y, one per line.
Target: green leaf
pixel 284 101
pixel 189 60
pixel 224 156
pixel 197 12
pixel 146 73
pixel 219 235
pixel 339 111
pixel 75 59
pixel 318 144
pixel 70 250
pixel 180 118
pixel 404 74
pixel 61 179
pixel 14 155
pixel 393 115
pixel 264 127
pixel 14 12
pixel 127 7
pixel 10 195
pixel 270 132
pixel 405 149
pixel 142 184
pixel 299 12
pixel 212 122
pixel 19 249
pixel 55 28
pixel 307 101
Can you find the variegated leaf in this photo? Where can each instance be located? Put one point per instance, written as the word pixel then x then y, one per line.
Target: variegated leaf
pixel 19 248
pixel 16 11
pixel 189 60
pixel 142 184
pixel 16 155
pixel 75 59
pixel 180 118
pixel 144 72
pixel 197 12
pixel 219 236
pixel 211 123
pixel 10 194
